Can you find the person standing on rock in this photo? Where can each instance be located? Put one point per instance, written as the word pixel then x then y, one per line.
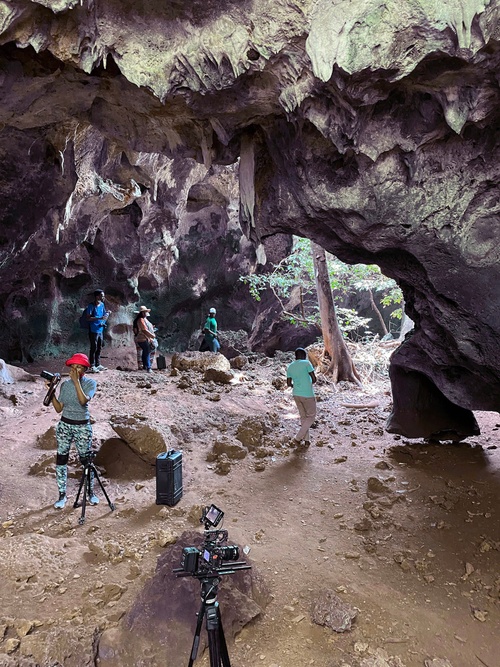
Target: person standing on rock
pixel 145 337
pixel 97 316
pixel 74 425
pixel 210 340
pixel 300 376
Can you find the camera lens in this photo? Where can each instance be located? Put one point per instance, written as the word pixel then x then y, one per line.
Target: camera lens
pixel 230 552
pixel 46 375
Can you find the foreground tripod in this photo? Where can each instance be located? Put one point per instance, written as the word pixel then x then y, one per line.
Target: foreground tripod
pixel 89 470
pixel 210 611
pixel 208 566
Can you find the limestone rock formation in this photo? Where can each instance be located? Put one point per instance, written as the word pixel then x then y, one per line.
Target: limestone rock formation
pixel 371 129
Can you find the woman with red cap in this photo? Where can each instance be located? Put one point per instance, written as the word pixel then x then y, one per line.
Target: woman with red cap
pixel 74 426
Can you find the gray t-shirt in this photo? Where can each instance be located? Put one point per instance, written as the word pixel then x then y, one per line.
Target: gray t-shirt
pixel 73 409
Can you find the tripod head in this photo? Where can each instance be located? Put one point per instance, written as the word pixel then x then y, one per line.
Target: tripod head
pixel 88 459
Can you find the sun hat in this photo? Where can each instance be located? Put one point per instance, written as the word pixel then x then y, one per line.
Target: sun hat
pixel 212 311
pixel 142 309
pixel 79 358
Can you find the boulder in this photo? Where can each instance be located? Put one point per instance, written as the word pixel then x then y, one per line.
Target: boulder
pixel 230 447
pixel 239 362
pixel 200 361
pixel 145 437
pixel 217 375
pixel 333 612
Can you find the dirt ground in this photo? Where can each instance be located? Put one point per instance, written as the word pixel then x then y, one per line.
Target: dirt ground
pixel 416 549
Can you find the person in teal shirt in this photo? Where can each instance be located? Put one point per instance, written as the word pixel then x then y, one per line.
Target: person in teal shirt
pixel 210 332
pixel 301 377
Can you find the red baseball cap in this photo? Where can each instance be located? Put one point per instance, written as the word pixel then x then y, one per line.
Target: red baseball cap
pixel 79 358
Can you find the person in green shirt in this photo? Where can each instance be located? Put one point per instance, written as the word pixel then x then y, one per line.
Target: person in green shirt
pixel 210 332
pixel 301 377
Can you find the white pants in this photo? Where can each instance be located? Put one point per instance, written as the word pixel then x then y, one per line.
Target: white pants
pixel 307 411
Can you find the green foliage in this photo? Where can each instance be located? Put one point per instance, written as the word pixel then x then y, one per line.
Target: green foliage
pixel 297 270
pixel 369 277
pixel 349 321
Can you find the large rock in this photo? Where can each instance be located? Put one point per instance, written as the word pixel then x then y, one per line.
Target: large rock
pixel 331 611
pixel 218 375
pixel 161 623
pixel 145 437
pixel 226 446
pixel 200 361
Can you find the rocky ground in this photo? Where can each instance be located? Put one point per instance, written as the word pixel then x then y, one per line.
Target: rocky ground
pixel 403 536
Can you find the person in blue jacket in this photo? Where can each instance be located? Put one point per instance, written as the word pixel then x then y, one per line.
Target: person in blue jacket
pixel 97 316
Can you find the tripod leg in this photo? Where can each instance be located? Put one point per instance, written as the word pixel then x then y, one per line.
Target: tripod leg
pixel 96 477
pixel 86 486
pixel 196 640
pixel 222 640
pixel 75 504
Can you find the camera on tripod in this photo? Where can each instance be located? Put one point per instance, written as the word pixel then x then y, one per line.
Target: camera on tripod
pixel 53 379
pixel 211 558
pixel 208 564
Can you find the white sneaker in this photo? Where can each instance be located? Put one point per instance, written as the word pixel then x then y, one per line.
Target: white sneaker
pixel 101 368
pixel 59 504
pixel 93 369
pixel 93 499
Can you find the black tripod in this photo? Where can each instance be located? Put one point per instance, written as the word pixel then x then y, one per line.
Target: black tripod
pixel 210 611
pixel 89 469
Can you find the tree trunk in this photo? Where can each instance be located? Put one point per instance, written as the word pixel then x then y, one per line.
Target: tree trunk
pixel 378 313
pixel 341 366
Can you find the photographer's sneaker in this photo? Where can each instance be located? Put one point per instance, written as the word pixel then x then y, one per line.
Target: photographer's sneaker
pixel 101 368
pixel 93 499
pixel 59 504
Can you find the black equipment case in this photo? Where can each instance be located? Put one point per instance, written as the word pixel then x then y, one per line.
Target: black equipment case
pixel 161 363
pixel 169 478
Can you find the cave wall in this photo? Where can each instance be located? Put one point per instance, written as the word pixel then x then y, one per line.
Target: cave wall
pixel 372 129
pixel 156 230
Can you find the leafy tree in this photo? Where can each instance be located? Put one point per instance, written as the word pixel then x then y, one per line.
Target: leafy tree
pixel 293 279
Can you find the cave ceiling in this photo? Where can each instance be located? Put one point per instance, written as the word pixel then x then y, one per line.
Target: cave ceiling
pixel 369 127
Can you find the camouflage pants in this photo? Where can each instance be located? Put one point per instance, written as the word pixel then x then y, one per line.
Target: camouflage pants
pixel 66 434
